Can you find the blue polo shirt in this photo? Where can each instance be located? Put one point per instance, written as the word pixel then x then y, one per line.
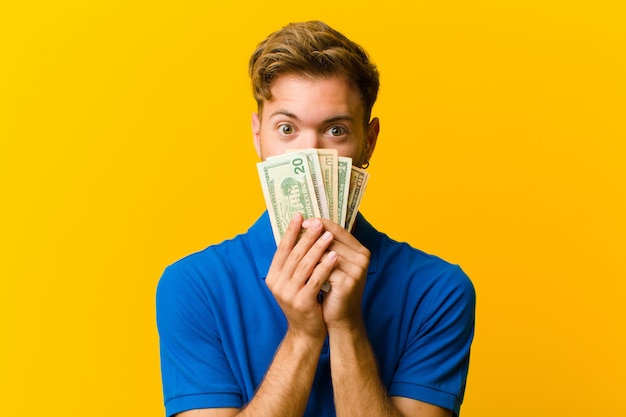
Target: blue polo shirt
pixel 219 324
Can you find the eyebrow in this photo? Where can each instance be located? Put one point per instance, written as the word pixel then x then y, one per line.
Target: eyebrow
pixel 339 117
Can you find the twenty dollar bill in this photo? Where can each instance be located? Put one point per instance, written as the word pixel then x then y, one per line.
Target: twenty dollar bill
pixel 288 188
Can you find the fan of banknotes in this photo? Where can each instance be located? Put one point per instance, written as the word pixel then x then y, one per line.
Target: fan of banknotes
pixel 314 182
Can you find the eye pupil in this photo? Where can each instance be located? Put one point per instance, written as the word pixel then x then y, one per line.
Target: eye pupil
pixel 286 129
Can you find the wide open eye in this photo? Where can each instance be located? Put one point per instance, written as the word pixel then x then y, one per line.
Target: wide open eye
pixel 336 131
pixel 286 129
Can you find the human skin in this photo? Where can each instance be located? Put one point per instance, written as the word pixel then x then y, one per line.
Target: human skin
pixel 305 112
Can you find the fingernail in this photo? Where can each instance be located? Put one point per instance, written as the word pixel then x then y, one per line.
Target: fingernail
pixel 327 235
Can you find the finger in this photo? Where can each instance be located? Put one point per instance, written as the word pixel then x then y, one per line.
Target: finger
pixel 305 243
pixel 350 249
pixel 353 257
pixel 341 234
pixel 347 272
pixel 350 261
pixel 321 273
pixel 290 237
pixel 314 256
pixel 285 246
pixel 354 264
pixel 290 256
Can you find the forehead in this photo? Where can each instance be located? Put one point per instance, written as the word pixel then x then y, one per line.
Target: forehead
pixel 313 96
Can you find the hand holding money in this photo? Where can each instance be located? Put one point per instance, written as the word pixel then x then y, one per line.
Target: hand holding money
pixel 313 182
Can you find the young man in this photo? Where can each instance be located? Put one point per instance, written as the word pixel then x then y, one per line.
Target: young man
pixel 243 329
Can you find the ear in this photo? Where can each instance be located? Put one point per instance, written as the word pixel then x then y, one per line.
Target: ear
pixel 373 128
pixel 256 133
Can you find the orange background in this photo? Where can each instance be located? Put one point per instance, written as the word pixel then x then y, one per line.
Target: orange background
pixel 125 144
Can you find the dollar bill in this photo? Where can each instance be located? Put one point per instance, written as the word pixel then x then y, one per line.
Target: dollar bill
pixel 358 182
pixel 288 188
pixel 330 172
pixel 343 176
pixel 318 178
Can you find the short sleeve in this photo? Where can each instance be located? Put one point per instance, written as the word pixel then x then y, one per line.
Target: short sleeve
pixel 434 365
pixel 194 367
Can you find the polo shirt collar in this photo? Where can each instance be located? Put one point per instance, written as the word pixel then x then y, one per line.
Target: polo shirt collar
pixel 263 246
pixel 369 237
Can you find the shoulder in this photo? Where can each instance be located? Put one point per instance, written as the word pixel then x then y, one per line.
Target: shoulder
pixel 403 256
pixel 430 281
pixel 446 295
pixel 195 272
pixel 391 256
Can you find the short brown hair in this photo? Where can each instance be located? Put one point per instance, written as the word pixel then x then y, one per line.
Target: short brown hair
pixel 312 49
